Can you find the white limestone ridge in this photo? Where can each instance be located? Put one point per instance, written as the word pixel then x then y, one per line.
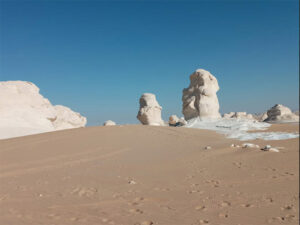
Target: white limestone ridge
pixel 24 111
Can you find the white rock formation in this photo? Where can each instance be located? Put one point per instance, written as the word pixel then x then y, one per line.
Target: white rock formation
pixel 67 119
pixel 24 111
pixel 238 115
pixel 200 98
pixel 175 121
pixel 280 113
pixel 109 123
pixel 150 110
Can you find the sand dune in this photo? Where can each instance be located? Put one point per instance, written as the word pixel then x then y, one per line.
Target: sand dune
pixel 147 175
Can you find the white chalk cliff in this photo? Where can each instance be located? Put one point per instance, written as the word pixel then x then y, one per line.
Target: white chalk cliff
pixel 24 111
pixel 280 113
pixel 150 111
pixel 200 98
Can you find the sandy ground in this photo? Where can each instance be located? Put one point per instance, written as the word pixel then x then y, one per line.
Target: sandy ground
pixel 147 175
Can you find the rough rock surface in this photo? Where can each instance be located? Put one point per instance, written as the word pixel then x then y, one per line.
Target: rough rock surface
pixel 24 111
pixel 109 123
pixel 238 115
pixel 150 111
pixel 280 113
pixel 200 98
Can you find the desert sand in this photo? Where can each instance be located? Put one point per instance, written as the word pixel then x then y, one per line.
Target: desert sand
pixel 134 174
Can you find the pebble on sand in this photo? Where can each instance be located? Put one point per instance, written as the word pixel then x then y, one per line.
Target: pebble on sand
pixel 250 145
pixel 207 147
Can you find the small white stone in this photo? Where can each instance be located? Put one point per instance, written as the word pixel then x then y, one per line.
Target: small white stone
pixel 266 148
pixel 273 150
pixel 131 182
pixel 207 147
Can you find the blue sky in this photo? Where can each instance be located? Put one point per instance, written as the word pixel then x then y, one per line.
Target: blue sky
pixel 98 57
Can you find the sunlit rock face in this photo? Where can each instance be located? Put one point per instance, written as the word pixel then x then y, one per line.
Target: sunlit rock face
pixel 280 113
pixel 200 98
pixel 24 111
pixel 150 111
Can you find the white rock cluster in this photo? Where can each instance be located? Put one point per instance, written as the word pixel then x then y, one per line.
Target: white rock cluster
pixel 24 111
pixel 175 121
pixel 150 111
pixel 109 123
pixel 238 115
pixel 280 113
pixel 200 98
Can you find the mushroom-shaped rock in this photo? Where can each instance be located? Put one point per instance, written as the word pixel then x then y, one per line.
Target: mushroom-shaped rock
pixel 200 98
pixel 150 110
pixel 109 123
pixel 280 113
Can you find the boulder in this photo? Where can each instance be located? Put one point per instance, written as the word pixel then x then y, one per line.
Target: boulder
pixel 109 123
pixel 150 111
pixel 280 113
pixel 200 98
pixel 175 121
pixel 24 111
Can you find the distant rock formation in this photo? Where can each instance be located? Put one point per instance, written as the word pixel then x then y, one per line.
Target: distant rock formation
pixel 200 98
pixel 280 113
pixel 150 111
pixel 24 111
pixel 175 121
pixel 109 123
pixel 238 115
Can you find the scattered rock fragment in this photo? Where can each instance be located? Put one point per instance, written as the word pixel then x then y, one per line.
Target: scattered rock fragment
pixel 207 147
pixel 109 123
pixel 249 145
pixel 269 148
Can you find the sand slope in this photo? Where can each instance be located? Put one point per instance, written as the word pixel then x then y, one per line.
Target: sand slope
pixel 140 174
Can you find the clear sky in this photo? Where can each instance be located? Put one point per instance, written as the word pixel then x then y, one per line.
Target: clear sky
pixel 98 57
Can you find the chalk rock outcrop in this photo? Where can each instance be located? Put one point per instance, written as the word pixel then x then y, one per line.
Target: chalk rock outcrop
pixel 200 98
pixel 175 121
pixel 150 110
pixel 280 113
pixel 238 115
pixel 109 123
pixel 24 111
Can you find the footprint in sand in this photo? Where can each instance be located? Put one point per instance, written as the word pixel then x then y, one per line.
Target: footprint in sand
pixel 223 215
pixel 288 208
pixel 84 191
pixel 237 164
pixel 137 211
pixel 225 204
pixel 201 208
pixel 247 205
pixel 136 201
pixel 287 218
pixel 195 191
pixel 145 223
